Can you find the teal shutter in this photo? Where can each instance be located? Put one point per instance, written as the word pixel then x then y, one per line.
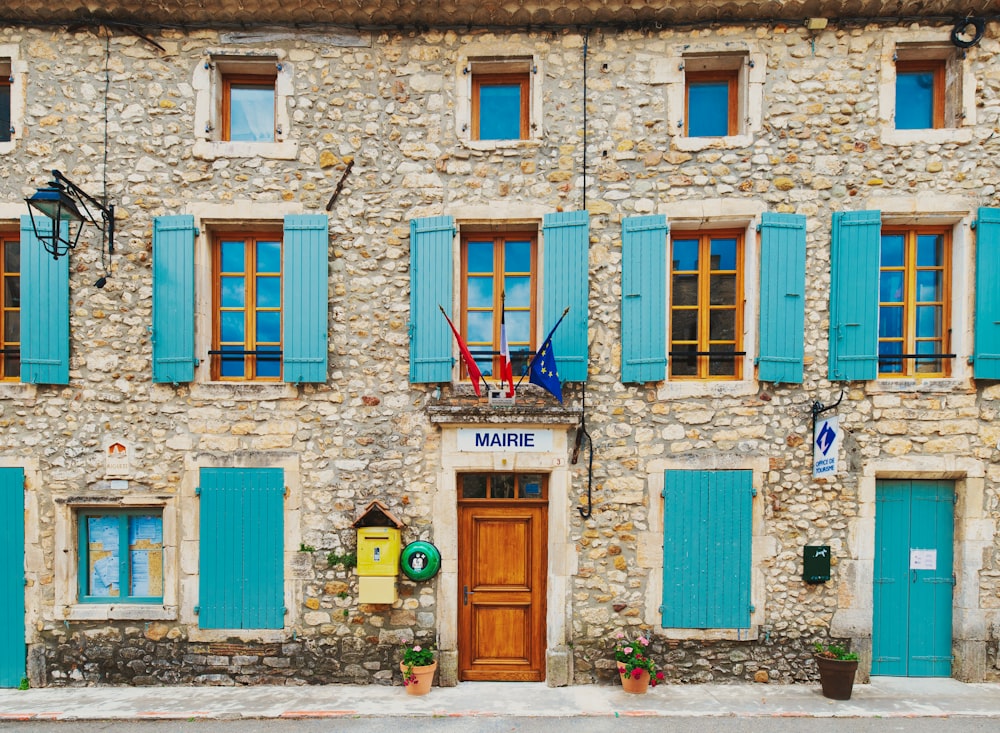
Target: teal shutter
pixel 782 297
pixel 431 241
pixel 173 299
pixel 305 265
pixel 986 357
pixel 707 549
pixel 854 261
pixel 44 309
pixel 566 236
pixel 241 548
pixel 644 299
pixel 13 651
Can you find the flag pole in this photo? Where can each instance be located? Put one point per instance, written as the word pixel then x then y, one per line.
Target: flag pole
pixel 461 347
pixel 527 369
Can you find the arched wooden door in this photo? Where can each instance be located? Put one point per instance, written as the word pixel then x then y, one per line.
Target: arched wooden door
pixel 502 568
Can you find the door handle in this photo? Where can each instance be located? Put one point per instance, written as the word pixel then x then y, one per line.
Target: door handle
pixel 465 595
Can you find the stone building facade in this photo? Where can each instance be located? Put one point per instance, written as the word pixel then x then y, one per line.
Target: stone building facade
pixel 375 136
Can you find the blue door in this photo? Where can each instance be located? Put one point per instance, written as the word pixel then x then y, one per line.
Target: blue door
pixel 12 647
pixel 914 526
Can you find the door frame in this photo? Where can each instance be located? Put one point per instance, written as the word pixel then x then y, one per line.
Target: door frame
pixel 560 550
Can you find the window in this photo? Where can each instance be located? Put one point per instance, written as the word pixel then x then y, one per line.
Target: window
pixel 5 111
pixel 121 556
pixel 499 280
pixel 248 108
pixel 920 97
pixel 711 103
pixel 10 307
pixel 914 295
pixel 500 106
pixel 706 295
pixel 529 486
pixel 247 330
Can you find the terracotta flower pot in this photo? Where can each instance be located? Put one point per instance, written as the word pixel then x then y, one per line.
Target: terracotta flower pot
pixel 420 684
pixel 635 685
pixel 836 676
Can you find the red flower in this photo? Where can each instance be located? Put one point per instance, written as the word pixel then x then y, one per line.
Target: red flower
pixel 636 673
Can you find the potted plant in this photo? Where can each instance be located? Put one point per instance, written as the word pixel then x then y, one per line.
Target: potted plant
pixel 635 667
pixel 418 667
pixel 837 668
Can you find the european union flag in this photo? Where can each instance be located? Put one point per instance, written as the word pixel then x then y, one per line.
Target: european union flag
pixel 543 370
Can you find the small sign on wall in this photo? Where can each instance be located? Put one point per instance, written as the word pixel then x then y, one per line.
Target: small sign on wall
pixel 826 445
pixel 117 462
pixel 923 559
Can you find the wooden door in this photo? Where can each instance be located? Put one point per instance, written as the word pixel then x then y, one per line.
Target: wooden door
pixel 502 567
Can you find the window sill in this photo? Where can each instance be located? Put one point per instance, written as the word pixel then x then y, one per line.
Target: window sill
pixel 684 389
pixel 18 391
pixel 209 150
pixel 248 391
pixel 489 145
pixel 749 634
pixel 119 612
pixel 7 147
pixel 892 136
pixel 933 384
pixel 695 144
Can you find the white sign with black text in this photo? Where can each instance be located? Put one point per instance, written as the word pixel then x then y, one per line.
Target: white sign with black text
pixel 504 440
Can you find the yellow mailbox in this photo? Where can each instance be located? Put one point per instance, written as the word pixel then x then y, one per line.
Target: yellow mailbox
pixel 378 554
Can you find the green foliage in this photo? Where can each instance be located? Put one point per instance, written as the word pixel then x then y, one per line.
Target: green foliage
pixel 416 655
pixel 348 559
pixel 834 651
pixel 303 547
pixel 24 684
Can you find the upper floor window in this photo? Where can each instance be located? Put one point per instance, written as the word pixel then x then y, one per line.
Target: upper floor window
pixel 10 307
pixel 920 94
pixel 499 274
pixel 500 106
pixel 248 108
pixel 5 110
pixel 706 298
pixel 121 555
pixel 246 334
pixel 914 297
pixel 711 103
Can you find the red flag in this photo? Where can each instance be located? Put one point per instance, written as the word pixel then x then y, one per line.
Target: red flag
pixel 506 368
pixel 470 364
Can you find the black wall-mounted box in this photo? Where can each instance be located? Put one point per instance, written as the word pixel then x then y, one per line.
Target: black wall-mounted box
pixel 816 563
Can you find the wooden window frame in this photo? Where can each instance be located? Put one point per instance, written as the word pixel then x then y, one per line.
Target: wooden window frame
pixel 498 240
pixel 732 77
pixel 543 497
pixel 909 302
pixel 124 554
pixel 6 239
pixel 704 306
pixel 521 78
pixel 938 67
pixel 249 305
pixel 250 80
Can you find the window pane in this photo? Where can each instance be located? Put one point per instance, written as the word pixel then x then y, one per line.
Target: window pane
pixel 480 292
pixel 531 485
pixel 928 285
pixel 684 290
pixel 928 366
pixel 251 113
pixel 890 286
pixel 268 365
pixel 233 290
pixel 683 365
pixel 145 546
pixel 722 326
pixel 232 256
pixel 723 290
pixel 12 292
pixel 268 292
pixel 886 364
pixel 517 292
pixel 480 255
pixel 12 327
pixel 684 325
pixel 708 108
pixel 929 250
pixel 12 256
pixel 519 358
pixel 685 254
pixel 503 486
pixel 232 327
pixel 721 366
pixel 103 557
pixel 231 365
pixel 914 100
pixel 480 327
pixel 268 256
pixel 890 322
pixel 474 486
pixel 500 112
pixel 11 366
pixel 4 113
pixel 893 247
pixel 517 256
pixel 723 254
pixel 518 328
pixel 928 321
pixel 268 327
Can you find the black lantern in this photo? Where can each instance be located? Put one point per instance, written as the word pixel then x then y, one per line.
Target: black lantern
pixel 67 206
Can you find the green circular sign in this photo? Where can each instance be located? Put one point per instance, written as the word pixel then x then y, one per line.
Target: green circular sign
pixel 420 560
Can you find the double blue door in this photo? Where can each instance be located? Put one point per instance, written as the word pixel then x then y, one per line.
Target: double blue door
pixel 913 584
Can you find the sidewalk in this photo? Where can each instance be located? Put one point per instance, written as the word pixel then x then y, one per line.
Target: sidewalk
pixel 884 697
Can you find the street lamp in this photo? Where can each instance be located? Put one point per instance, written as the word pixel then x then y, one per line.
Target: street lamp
pixel 67 206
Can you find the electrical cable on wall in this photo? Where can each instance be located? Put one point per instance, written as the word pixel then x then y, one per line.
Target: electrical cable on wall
pixel 581 432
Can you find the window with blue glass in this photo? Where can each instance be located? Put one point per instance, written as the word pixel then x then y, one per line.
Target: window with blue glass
pixel 500 106
pixel 920 94
pixel 498 286
pixel 914 293
pixel 711 101
pixel 248 104
pixel 247 308
pixel 121 556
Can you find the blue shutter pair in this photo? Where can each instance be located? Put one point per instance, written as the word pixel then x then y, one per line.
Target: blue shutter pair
pixel 241 545
pixel 782 298
pixel 566 237
pixel 304 249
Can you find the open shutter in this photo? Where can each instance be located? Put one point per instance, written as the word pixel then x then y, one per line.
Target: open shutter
pixel 854 262
pixel 431 243
pixel 44 309
pixel 566 236
pixel 782 297
pixel 241 576
pixel 173 299
pixel 986 358
pixel 644 299
pixel 707 546
pixel 305 266
pixel 12 646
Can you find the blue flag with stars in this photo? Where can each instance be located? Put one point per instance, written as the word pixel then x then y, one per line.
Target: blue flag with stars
pixel 543 370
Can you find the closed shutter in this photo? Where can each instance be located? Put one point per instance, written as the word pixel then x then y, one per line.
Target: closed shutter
pixel 707 549
pixel 782 297
pixel 44 309
pixel 431 255
pixel 12 646
pixel 566 236
pixel 854 263
pixel 986 359
pixel 305 266
pixel 644 299
pixel 173 299
pixel 241 548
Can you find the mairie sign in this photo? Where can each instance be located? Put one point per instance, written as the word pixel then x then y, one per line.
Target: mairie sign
pixel 504 440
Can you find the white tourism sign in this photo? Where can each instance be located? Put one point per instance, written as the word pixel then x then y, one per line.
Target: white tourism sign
pixel 826 446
